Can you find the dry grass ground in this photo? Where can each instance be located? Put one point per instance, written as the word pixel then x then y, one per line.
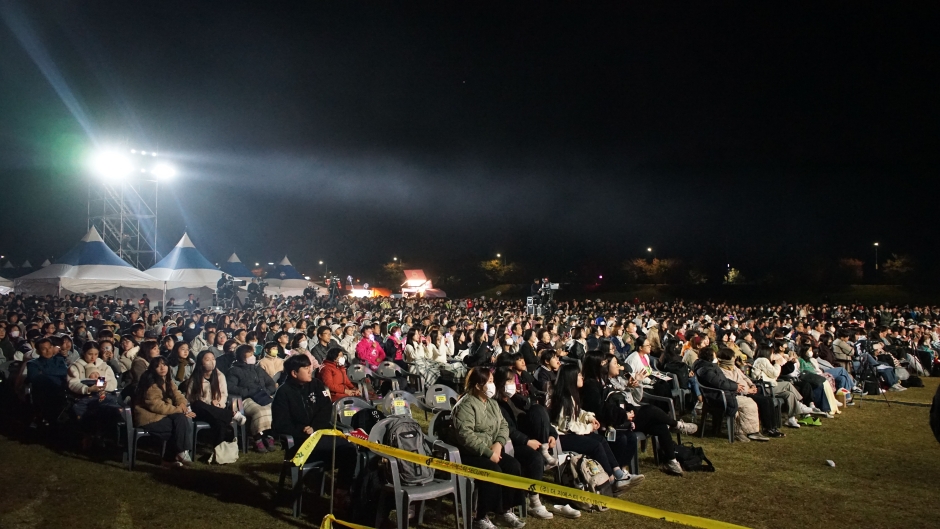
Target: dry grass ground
pixel 887 466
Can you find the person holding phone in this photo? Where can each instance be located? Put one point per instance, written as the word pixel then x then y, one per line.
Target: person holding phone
pixel 92 381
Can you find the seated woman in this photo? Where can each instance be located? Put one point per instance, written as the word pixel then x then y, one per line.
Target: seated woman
pixel 578 428
pixel 480 433
pixel 599 371
pixel 746 387
pixel 301 407
pixel 298 345
pixel 418 358
pixel 181 364
pixel 746 419
pixel 161 409
pixel 808 367
pixel 207 393
pixel 531 439
pixel 826 362
pixel 247 380
pixel 272 360
pixel 334 377
pixel 671 362
pixel 653 381
pixel 92 381
pixel 767 368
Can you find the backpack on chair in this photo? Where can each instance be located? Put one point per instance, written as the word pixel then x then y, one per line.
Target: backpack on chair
pixel 405 433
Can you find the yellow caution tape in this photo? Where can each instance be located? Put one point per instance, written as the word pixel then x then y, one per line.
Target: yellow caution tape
pixel 516 482
pixel 329 520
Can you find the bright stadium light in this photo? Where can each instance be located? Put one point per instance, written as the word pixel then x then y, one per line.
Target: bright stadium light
pixel 111 165
pixel 163 171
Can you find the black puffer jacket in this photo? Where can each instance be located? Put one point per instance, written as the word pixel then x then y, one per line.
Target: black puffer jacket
pixel 710 375
pixel 245 380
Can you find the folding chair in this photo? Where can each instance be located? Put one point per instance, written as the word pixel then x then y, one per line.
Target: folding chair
pixel 406 494
pixel 717 412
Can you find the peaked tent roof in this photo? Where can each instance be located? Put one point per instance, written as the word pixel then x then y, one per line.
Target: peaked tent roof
pixel 285 270
pixel 235 268
pixel 26 264
pixel 9 265
pixel 184 266
pixel 90 266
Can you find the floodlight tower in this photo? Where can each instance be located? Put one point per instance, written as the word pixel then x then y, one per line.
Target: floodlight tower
pixel 122 203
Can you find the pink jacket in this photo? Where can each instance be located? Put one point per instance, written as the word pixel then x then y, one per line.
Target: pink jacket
pixel 370 352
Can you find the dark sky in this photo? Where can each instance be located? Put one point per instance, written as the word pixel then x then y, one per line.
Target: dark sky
pixel 450 131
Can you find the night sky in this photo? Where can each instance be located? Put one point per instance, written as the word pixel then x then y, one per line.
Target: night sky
pixel 447 132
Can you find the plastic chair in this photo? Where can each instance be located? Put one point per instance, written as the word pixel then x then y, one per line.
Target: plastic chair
pixel 358 374
pixel 398 399
pixel 406 494
pixel 389 371
pixel 134 435
pixel 439 397
pixel 641 437
pixel 297 475
pixel 346 407
pixel 240 430
pixel 717 412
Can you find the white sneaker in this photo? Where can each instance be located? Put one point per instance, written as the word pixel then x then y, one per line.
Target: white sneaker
pixel 566 511
pixel 509 519
pixel 672 467
pixel 687 428
pixel 627 483
pixel 792 422
pixel 239 418
pixel 698 406
pixel 536 509
pixel 804 409
pixel 483 523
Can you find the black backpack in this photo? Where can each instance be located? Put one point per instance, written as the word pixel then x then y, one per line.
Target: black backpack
pixel 692 458
pixel 365 419
pixel 614 411
pixel 913 381
pixel 405 433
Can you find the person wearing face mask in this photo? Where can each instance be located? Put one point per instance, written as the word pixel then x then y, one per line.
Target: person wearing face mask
pixel 160 408
pixel 247 380
pixel 272 361
pixel 480 433
pixel 6 346
pixel 129 349
pixel 107 356
pixel 394 347
pixel 334 377
pixel 299 346
pixel 368 349
pixel 207 393
pixel 181 363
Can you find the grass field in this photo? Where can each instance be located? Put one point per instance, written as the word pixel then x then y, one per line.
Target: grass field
pixel 887 466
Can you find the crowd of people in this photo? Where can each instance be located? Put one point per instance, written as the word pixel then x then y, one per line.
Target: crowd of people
pixel 589 375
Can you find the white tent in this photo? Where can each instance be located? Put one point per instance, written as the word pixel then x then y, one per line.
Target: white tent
pixel 236 269
pixel 186 271
pixel 45 263
pixel 89 267
pixel 287 281
pixel 6 286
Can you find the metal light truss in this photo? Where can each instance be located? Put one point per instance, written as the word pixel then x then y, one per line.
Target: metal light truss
pixel 125 214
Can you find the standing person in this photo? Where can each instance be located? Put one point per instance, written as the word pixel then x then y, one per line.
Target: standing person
pixel 247 380
pixel 160 408
pixel 207 391
pixel 481 433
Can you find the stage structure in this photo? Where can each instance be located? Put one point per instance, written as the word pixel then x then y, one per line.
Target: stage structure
pixel 122 204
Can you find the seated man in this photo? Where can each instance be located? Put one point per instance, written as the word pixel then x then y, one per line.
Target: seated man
pixel 302 406
pixel 46 376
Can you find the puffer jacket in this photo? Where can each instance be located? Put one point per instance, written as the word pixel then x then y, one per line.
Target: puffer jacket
pixel 155 405
pixel 80 370
pixel 245 380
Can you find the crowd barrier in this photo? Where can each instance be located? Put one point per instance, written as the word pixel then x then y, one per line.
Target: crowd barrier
pixel 507 480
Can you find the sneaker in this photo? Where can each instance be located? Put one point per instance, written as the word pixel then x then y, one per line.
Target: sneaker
pixel 828 416
pixel 775 433
pixel 483 523
pixel 184 458
pixel 897 387
pixel 537 510
pixel 672 468
pixel 550 461
pixel 509 519
pixel 259 446
pixel 757 437
pixel 858 390
pixel 818 412
pixel 269 442
pixel 698 406
pixel 565 511
pixel 804 409
pixel 792 422
pixel 239 418
pixel 687 428
pixel 627 483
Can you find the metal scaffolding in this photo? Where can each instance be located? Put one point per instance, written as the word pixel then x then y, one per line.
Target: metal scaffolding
pixel 125 214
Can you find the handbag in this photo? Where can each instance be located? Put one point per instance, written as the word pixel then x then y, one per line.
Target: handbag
pixel 225 452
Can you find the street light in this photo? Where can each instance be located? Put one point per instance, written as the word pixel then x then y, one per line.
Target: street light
pixel 324 268
pixel 876 256
pixel 504 259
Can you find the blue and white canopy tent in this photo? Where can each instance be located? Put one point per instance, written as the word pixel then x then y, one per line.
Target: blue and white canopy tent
pixel 90 267
pixel 287 281
pixel 185 271
pixel 6 286
pixel 236 269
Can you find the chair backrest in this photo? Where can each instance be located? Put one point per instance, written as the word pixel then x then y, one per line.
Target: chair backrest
pixel 357 372
pixel 441 420
pixel 388 369
pixel 440 397
pixel 398 402
pixel 346 407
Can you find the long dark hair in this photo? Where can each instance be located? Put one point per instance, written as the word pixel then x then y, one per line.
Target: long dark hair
pixel 500 378
pixel 174 359
pixel 475 377
pixel 565 397
pixel 194 389
pixel 593 370
pixel 150 378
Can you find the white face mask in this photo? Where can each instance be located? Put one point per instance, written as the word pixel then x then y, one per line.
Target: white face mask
pixel 341 361
pixel 492 331
pixel 14 334
pixel 809 354
pixel 192 325
pixel 398 334
pixel 252 343
pixel 303 345
pixel 291 331
pixel 251 360
pixel 371 337
pixel 490 390
pixel 510 389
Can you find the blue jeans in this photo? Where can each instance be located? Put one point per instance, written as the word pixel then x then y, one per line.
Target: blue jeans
pixel 693 385
pixel 843 379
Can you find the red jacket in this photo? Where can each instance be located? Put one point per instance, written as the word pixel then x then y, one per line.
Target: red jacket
pixel 335 379
pixel 370 352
